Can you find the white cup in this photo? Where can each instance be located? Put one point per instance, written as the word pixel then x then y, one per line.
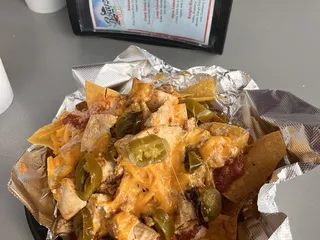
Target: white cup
pixel 46 6
pixel 6 94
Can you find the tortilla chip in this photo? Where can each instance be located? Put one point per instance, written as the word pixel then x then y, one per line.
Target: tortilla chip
pixel 201 91
pixel 94 93
pixel 259 163
pixel 69 203
pixel 98 125
pixel 140 91
pixel 46 135
pixel 112 93
pixel 62 165
pixel 216 230
pixel 225 226
pixel 242 232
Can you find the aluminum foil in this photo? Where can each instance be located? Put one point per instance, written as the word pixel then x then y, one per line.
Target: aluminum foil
pixel 260 111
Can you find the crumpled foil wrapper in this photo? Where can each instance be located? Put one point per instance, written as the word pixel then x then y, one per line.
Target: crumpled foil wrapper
pixel 259 111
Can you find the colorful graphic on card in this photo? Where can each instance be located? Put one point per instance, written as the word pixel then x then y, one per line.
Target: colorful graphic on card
pixel 106 14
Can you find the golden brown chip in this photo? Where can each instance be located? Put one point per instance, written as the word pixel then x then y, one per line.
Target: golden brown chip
pixel 140 91
pixel 94 93
pixel 46 135
pixel 232 210
pixel 202 91
pixel 112 93
pixel 225 226
pixel 63 164
pixel 242 233
pixel 259 163
pixel 216 231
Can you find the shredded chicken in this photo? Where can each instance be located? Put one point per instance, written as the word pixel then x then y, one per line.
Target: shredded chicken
pixel 190 124
pixel 196 137
pixel 108 170
pixel 75 140
pixel 141 231
pixel 98 213
pixel 108 188
pixel 158 98
pixel 167 88
pixel 185 214
pixel 201 234
pixel 149 221
pixel 152 167
pixel 217 150
pixel 110 176
pixel 168 115
pixel 98 125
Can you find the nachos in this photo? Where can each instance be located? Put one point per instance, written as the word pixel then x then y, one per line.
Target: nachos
pixel 154 164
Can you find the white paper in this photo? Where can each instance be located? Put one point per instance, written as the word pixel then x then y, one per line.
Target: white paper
pixel 188 20
pixel 6 94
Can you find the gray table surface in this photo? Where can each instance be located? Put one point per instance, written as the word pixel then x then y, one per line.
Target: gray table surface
pixel 276 42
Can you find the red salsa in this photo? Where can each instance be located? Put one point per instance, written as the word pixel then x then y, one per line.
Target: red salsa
pixel 230 172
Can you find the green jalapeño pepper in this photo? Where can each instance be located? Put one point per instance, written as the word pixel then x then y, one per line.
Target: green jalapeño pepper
pixel 81 176
pixel 210 200
pixel 112 153
pixel 205 104
pixel 78 223
pixel 83 225
pixel 193 161
pixel 201 112
pixel 137 126
pixel 88 176
pixel 130 123
pixel 87 225
pixel 164 224
pixel 148 150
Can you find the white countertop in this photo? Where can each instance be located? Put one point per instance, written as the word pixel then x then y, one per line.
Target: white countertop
pixel 276 42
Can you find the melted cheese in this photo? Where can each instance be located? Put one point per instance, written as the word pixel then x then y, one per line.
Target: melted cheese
pixel 123 223
pixel 216 150
pixel 238 135
pixel 144 189
pixel 197 137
